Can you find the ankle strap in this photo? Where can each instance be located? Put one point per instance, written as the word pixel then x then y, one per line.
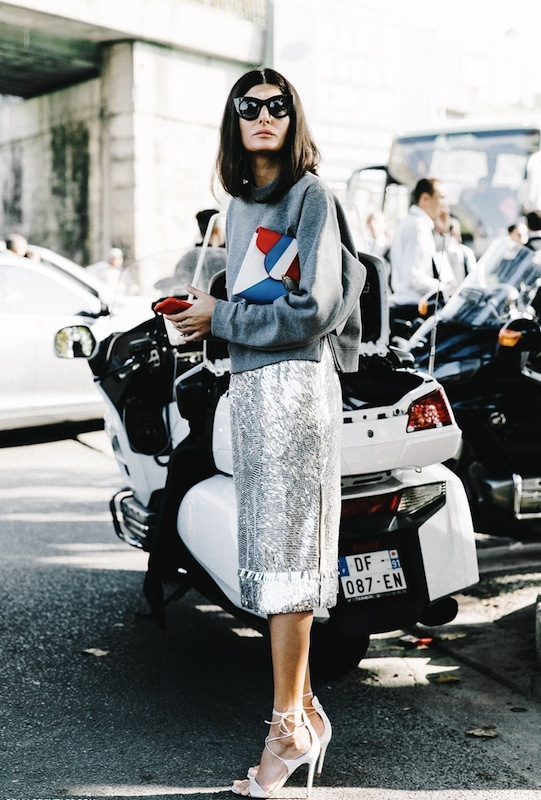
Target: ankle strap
pixel 284 724
pixel 291 712
pixel 287 713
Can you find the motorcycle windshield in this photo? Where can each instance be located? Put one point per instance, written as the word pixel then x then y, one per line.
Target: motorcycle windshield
pixel 131 290
pixel 165 273
pixel 503 284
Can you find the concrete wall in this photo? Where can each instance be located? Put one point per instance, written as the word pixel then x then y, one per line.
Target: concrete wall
pixel 178 104
pixel 49 153
pixel 125 159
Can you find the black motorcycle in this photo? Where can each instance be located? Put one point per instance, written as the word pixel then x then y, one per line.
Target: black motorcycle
pixel 484 346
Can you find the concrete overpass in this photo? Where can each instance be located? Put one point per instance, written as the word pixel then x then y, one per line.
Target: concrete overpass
pixel 49 44
pixel 128 92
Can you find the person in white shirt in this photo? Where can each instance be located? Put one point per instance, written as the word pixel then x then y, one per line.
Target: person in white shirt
pixel 112 275
pixel 377 240
pixel 449 247
pixel 414 267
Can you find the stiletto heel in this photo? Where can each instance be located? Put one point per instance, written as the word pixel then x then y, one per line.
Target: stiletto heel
pixel 315 707
pixel 310 757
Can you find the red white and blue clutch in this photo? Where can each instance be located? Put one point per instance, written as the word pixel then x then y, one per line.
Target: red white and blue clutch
pixel 270 266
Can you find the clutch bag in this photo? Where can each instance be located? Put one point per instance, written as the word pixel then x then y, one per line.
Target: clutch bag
pixel 270 268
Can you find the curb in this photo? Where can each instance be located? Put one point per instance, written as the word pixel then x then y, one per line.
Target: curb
pixel 517 557
pixel 508 651
pixel 509 558
pixel 538 628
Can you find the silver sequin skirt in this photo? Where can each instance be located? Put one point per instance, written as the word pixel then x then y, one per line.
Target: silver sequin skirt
pixel 286 422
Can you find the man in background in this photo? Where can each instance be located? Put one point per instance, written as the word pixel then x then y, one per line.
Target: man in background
pixel 533 221
pixel 110 273
pixel 414 265
pixel 16 243
pixel 214 259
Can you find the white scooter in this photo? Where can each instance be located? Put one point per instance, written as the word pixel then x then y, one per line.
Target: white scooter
pixel 406 539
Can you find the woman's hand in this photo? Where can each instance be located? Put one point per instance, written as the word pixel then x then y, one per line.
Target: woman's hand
pixel 195 322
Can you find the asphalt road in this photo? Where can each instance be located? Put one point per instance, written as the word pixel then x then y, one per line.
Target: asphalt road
pixel 151 715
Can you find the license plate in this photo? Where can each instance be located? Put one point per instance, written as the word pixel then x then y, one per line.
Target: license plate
pixel 370 575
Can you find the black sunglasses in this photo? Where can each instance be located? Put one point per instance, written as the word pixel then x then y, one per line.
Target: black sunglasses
pixel 250 107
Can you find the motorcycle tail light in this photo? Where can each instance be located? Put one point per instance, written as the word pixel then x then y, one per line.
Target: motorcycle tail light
pixel 415 498
pixel 430 411
pixel 368 506
pixel 404 502
pixel 508 337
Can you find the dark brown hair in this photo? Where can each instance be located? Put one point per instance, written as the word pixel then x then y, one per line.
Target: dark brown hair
pixel 298 155
pixel 425 185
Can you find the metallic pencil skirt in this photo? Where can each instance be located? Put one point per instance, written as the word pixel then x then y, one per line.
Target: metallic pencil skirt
pixel 286 422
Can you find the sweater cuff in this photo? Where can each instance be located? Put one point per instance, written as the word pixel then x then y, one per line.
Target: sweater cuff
pixel 220 325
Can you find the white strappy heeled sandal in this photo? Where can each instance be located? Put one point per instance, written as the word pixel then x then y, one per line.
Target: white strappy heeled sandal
pixel 315 707
pixel 310 757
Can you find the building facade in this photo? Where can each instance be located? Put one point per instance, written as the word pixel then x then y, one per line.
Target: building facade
pixel 113 135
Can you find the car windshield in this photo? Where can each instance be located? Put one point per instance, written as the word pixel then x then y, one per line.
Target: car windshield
pixel 503 284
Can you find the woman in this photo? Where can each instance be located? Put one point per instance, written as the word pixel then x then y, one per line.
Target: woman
pixel 285 347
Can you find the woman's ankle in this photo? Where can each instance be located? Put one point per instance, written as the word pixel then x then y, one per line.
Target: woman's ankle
pixel 288 732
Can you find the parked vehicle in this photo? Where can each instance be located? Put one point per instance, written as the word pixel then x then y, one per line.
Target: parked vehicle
pixel 486 352
pixel 37 388
pixel 36 299
pixel 492 174
pixel 406 541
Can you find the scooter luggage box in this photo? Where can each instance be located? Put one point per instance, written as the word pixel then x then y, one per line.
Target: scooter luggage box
pixel 373 440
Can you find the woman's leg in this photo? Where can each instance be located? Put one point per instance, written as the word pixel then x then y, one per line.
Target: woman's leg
pixel 313 716
pixel 290 645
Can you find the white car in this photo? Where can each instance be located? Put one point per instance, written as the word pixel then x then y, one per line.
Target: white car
pixel 36 299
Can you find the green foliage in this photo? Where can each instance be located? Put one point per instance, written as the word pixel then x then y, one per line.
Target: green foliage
pixel 69 187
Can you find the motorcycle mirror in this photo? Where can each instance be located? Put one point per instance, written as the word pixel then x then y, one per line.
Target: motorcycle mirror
pixel 75 341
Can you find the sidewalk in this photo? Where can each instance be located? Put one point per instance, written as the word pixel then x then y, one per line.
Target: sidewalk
pixel 498 627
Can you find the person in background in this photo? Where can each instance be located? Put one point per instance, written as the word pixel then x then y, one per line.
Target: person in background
pixel 16 243
pixel 217 234
pixel 533 220
pixel 415 272
pixel 110 273
pixel 461 258
pixel 286 342
pixel 377 240
pixel 518 232
pixel 33 254
pixel 214 258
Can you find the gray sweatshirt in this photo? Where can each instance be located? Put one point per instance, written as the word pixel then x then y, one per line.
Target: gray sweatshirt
pixel 326 303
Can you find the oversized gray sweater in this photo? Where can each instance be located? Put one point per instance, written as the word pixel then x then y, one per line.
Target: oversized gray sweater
pixel 326 304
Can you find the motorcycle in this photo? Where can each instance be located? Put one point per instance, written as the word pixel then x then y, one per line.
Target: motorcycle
pixel 484 347
pixel 406 539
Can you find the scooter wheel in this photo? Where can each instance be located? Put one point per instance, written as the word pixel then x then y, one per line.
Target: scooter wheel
pixel 334 653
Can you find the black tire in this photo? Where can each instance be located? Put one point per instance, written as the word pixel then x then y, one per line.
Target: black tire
pixel 334 653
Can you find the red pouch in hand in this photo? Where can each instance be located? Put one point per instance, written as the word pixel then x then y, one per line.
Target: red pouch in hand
pixel 171 305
